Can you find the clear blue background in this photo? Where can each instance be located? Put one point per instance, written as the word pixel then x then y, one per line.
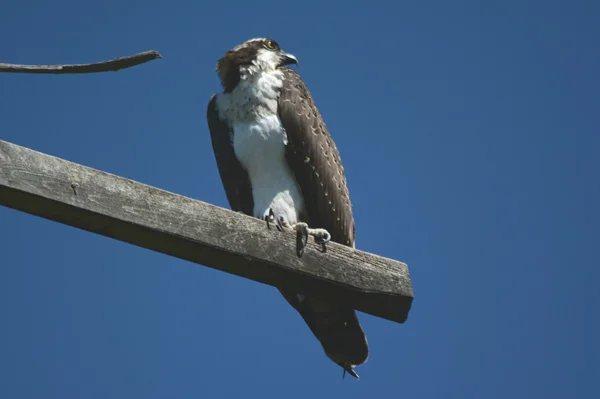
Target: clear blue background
pixel 470 135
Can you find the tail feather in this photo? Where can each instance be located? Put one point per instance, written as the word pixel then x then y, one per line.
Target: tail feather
pixel 336 327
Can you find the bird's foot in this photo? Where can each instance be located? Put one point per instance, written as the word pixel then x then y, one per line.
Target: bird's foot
pixel 302 230
pixel 321 236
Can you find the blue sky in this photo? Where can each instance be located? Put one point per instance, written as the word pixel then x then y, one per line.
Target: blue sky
pixel 469 132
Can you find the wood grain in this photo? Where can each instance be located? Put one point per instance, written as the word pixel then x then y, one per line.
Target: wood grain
pixel 172 224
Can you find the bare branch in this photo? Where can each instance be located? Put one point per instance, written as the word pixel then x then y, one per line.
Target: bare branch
pixel 105 66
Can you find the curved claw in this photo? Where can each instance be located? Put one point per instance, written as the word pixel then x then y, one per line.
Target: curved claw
pixel 323 240
pixel 270 217
pixel 299 245
pixel 302 238
pixel 280 223
pixel 305 235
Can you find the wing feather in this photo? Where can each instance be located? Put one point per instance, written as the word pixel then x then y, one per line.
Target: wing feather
pixel 315 160
pixel 233 175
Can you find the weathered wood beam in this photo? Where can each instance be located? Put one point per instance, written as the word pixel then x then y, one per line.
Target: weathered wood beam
pixel 146 216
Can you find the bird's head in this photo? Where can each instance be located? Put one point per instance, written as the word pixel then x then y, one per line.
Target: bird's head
pixel 252 56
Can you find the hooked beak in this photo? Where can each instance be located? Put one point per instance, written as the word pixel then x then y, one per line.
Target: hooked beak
pixel 287 59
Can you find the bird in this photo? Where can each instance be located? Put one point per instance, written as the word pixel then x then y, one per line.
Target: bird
pixel 278 162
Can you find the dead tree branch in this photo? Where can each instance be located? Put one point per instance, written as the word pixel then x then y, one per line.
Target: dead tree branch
pixel 105 66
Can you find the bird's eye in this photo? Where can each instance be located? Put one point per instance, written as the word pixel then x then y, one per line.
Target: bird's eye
pixel 270 44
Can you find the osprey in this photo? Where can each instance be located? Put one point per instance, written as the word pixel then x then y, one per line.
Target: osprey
pixel 278 162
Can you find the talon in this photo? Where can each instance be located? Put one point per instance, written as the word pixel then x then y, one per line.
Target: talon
pixel 322 237
pixel 270 217
pixel 302 232
pixel 302 228
pixel 280 223
pixel 299 246
pixel 323 240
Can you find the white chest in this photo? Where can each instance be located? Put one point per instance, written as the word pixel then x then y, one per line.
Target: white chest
pixel 260 147
pixel 259 142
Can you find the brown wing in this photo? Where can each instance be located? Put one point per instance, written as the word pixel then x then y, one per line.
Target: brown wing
pixel 315 159
pixel 233 175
